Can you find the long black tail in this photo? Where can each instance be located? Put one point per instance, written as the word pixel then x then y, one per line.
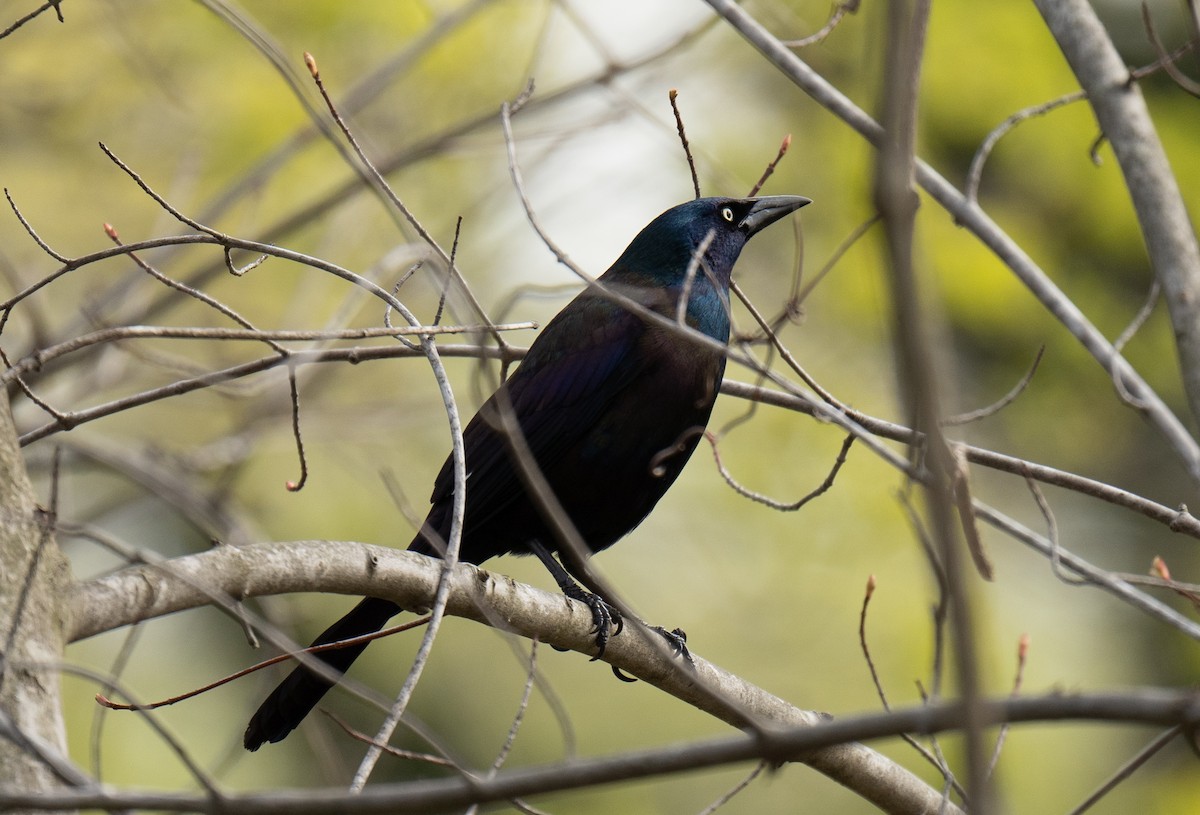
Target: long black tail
pixel 299 693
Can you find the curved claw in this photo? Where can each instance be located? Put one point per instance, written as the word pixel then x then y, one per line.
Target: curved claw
pixel 624 677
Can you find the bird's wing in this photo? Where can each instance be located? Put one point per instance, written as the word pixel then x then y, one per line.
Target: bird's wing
pixel 582 359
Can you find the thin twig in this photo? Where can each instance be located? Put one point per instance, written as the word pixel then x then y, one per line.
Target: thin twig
pixel 380 182
pixel 1125 336
pixel 13 375
pixel 36 360
pixel 511 738
pixel 158 199
pixel 1140 318
pixel 67 421
pixel 1001 403
pixel 350 642
pixel 729 795
pixel 689 277
pixel 1052 534
pixel 45 247
pixel 522 707
pixel 1167 61
pixel 975 171
pixel 839 11
pixel 395 752
pixel 866 649
pixel 294 394
pixel 938 763
pixel 1018 679
pixel 784 352
pixel 770 170
pixel 771 502
pixel 1098 577
pixel 842 248
pixel 683 139
pixel 437 317
pixel 241 271
pixel 183 288
pixel 72 264
pixel 202 777
pixel 1158 567
pixel 1129 768
pixel 49 4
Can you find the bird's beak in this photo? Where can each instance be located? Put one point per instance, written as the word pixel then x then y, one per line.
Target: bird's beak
pixel 769 209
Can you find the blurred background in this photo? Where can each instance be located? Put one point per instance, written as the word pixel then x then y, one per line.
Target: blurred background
pixel 209 102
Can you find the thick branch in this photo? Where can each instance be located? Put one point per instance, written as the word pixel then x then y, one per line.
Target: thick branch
pixel 144 592
pixel 1145 706
pixel 33 576
pixel 1125 121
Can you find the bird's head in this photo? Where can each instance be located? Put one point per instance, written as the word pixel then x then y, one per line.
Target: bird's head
pixel 664 249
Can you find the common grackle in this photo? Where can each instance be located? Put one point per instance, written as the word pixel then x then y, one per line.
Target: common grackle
pixel 610 404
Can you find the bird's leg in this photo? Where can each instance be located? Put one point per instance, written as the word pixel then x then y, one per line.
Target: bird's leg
pixel 604 616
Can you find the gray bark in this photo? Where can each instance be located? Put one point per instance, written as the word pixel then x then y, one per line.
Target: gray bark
pixel 33 578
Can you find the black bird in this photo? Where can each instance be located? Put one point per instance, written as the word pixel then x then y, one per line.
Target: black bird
pixel 611 406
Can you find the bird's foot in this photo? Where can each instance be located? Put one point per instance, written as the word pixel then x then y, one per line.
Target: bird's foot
pixel 677 640
pixel 607 620
pixel 604 617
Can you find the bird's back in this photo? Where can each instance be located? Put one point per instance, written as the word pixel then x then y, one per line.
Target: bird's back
pixel 611 407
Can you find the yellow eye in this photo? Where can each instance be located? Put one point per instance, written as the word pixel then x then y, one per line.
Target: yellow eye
pixel 727 214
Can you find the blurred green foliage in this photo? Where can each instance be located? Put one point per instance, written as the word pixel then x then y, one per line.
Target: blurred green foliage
pixel 197 110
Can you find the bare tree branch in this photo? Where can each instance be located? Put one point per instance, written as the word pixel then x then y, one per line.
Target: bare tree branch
pixel 919 378
pixel 969 215
pixel 411 580
pixel 33 578
pixel 1126 124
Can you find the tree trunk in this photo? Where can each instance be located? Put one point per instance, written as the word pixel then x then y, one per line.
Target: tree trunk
pixel 34 577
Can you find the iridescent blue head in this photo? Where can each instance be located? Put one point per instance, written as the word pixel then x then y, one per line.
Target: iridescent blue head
pixel 668 244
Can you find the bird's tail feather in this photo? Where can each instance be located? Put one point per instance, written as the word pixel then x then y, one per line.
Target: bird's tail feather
pixel 300 692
